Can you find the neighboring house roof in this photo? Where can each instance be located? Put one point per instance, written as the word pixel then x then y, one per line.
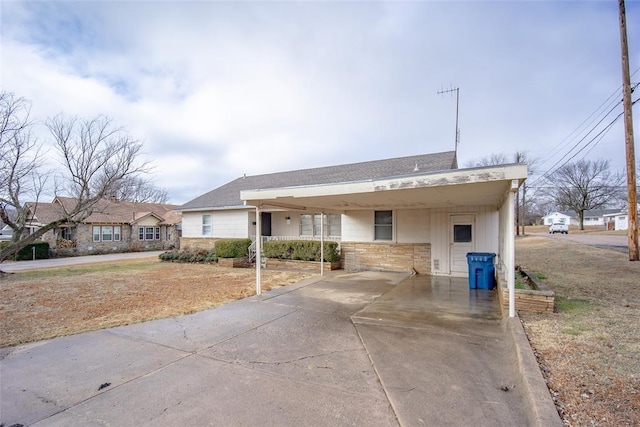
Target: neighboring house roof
pixel 228 195
pixel 108 211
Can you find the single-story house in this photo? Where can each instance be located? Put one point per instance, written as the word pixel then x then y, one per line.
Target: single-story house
pixel 5 231
pixel 113 226
pixel 595 217
pixel 417 213
pixel 619 219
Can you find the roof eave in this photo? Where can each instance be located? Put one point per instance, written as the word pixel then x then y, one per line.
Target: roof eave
pixel 433 179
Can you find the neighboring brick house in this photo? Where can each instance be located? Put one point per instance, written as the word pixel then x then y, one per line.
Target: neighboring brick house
pixel 113 226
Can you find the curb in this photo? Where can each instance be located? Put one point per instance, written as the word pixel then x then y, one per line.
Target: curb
pixel 543 410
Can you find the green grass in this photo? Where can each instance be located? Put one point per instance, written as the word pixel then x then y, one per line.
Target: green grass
pixel 541 276
pixel 573 305
pixel 521 283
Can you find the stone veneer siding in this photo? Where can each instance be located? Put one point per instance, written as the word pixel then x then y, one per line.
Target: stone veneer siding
pixel 190 243
pixel 128 241
pixel 386 256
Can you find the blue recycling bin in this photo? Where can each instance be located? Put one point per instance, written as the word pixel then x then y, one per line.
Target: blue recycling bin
pixel 481 270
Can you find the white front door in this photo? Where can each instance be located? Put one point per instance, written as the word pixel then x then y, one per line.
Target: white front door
pixel 462 241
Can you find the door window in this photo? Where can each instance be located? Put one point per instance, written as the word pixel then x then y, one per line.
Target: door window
pixel 462 233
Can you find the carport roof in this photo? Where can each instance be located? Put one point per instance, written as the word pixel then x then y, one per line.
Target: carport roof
pixel 450 188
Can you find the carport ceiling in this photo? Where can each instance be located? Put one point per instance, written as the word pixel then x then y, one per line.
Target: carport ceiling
pixel 459 187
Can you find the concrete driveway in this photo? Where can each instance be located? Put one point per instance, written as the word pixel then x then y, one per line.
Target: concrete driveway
pixel 347 349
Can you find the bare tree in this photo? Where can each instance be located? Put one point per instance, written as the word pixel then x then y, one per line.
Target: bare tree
pixel 492 159
pixel 586 185
pixel 495 159
pixel 20 161
pixel 95 158
pixel 139 190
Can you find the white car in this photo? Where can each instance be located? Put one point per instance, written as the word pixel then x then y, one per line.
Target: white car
pixel 558 228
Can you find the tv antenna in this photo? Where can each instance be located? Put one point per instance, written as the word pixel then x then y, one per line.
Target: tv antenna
pixel 457 91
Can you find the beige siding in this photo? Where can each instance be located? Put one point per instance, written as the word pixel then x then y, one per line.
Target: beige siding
pixel 279 226
pixel 409 225
pixel 224 224
pixel 413 225
pixel 485 234
pixel 357 226
pixel 192 224
pixel 150 221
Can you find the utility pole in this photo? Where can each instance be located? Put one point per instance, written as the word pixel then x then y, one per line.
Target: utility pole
pixel 457 91
pixel 632 195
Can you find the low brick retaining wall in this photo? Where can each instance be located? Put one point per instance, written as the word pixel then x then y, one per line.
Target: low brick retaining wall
pixel 539 300
pixel 291 264
pixel 234 262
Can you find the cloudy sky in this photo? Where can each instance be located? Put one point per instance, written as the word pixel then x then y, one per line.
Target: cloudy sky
pixel 219 89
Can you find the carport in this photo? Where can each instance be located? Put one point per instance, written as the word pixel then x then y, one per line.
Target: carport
pixel 459 190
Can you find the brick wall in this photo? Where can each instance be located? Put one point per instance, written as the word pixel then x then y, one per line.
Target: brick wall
pixel 386 256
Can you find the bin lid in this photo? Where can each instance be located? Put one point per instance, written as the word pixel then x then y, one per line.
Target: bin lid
pixel 480 256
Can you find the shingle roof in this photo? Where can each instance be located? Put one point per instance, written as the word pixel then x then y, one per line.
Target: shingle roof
pixel 110 212
pixel 591 213
pixel 228 195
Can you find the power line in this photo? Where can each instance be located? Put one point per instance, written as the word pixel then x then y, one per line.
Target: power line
pixel 568 139
pixel 595 140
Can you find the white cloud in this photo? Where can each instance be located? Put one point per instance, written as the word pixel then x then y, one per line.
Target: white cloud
pixel 217 89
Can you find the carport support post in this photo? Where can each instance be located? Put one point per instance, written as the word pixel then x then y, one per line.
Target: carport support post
pixel 258 250
pixel 511 251
pixel 322 243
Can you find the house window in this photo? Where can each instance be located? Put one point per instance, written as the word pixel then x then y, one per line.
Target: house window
pixel 306 225
pixel 310 225
pixel 333 227
pixel 383 225
pixel 148 233
pixel 206 225
pixel 66 233
pixel 107 233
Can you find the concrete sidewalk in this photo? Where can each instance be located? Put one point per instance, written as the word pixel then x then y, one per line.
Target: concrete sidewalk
pixel 293 356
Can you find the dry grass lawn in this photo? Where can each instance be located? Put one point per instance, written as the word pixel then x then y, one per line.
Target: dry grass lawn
pixel 589 350
pixel 49 303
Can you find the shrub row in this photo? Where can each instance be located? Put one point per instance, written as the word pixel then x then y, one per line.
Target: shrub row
pixel 305 250
pixel 232 248
pixel 26 253
pixel 188 256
